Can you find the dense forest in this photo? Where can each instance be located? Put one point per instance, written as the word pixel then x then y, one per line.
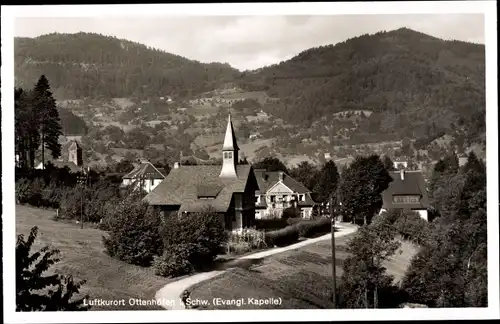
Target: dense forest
pixel 91 65
pixel 405 77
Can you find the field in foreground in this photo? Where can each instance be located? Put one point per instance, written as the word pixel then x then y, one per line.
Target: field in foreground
pixel 301 278
pixel 82 255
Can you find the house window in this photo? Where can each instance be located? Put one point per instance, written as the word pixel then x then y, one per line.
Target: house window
pixel 406 199
pixel 256 199
pixel 301 197
pixel 273 199
pixel 152 182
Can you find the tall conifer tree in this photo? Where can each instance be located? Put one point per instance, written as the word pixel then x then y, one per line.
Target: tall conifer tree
pixel 48 116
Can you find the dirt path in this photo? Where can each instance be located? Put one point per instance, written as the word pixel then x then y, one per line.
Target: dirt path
pixel 169 295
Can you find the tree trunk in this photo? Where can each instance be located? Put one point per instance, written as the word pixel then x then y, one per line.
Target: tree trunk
pixel 43 153
pixel 366 297
pixel 375 297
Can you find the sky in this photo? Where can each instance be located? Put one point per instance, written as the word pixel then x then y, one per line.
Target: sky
pixel 251 42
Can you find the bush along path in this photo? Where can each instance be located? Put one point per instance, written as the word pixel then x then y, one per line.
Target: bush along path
pixel 169 297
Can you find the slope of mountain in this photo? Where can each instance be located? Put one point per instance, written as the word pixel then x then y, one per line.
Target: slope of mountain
pixel 91 65
pixel 409 80
pixel 410 85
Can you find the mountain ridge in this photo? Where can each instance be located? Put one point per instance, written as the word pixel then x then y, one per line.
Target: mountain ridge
pixel 412 83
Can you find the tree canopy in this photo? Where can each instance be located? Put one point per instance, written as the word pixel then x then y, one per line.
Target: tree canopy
pixel 361 187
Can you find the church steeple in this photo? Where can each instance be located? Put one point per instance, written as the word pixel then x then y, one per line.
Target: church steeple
pixel 229 152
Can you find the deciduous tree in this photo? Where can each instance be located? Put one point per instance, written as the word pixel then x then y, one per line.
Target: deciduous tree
pixel 326 187
pixel 271 164
pixel 361 187
pixel 364 275
pixel 36 292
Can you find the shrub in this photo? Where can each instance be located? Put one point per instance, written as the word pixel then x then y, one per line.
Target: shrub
pixel 135 233
pixel 245 241
pixel 95 199
pixel 295 220
pixel 238 247
pixel 411 227
pixel 23 190
pixel 53 193
pixel 270 224
pixel 282 237
pixel 391 216
pixel 30 282
pixel 173 262
pixel 203 232
pixel 316 212
pixel 308 228
pixel 291 212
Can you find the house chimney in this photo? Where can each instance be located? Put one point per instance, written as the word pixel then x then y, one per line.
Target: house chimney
pixel 402 172
pixel 176 165
pixel 281 175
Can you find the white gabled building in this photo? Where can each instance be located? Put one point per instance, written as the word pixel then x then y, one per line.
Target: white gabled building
pixel 278 191
pixel 145 176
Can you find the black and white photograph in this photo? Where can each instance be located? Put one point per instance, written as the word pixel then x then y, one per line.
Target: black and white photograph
pixel 287 160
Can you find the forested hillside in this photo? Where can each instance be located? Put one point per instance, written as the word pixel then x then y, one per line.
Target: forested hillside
pixel 409 86
pixel 91 65
pixel 408 79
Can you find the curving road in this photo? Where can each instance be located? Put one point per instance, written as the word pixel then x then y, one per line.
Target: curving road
pixel 172 291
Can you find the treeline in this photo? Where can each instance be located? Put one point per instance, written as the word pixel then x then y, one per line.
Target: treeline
pixel 92 65
pixel 450 267
pixel 70 123
pixel 37 123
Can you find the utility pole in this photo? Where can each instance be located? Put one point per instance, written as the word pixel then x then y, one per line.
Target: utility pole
pixel 82 179
pixel 334 274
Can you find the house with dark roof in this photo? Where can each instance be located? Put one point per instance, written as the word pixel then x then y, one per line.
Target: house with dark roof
pixel 278 191
pixel 406 191
pixel 145 176
pixel 227 189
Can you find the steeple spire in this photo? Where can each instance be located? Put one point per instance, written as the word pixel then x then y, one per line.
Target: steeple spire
pixel 230 138
pixel 229 152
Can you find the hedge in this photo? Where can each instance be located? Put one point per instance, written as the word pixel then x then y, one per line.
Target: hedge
pixel 282 237
pixel 295 220
pixel 310 228
pixel 270 224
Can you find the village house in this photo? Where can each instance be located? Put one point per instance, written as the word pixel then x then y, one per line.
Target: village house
pixel 406 191
pixel 74 160
pixel 144 176
pixel 400 163
pixel 278 191
pixel 227 189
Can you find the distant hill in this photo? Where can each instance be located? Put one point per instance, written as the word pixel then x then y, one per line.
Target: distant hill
pixel 410 85
pixel 414 83
pixel 92 65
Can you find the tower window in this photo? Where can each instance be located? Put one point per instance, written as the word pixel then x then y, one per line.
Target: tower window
pixel 228 155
